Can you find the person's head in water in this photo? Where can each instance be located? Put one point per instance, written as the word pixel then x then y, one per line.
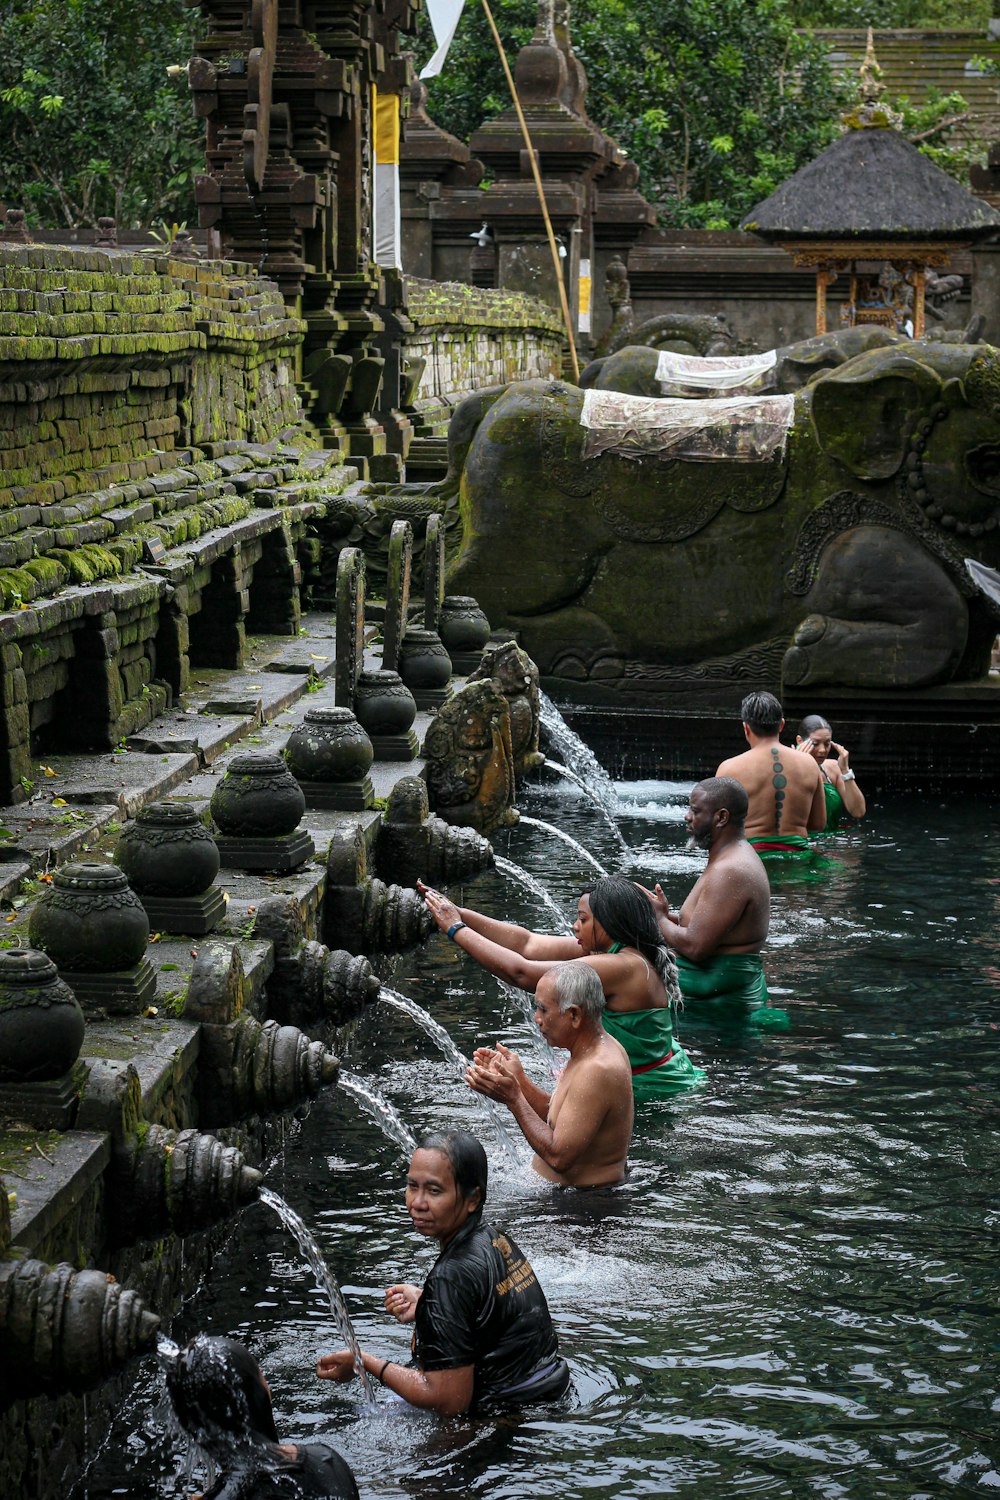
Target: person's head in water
pixel 761 713
pixel 716 803
pixel 614 910
pixel 220 1395
pixel 815 737
pixel 446 1183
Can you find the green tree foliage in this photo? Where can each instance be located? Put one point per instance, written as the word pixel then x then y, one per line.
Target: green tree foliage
pixel 717 101
pixel 892 14
pixel 90 123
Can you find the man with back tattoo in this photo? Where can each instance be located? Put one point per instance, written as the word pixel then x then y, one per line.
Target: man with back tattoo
pixel 785 790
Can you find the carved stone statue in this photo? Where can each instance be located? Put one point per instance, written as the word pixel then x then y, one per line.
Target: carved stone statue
pixel 470 762
pixel 823 535
pixel 517 675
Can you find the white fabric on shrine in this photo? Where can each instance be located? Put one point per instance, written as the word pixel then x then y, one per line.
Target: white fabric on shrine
pixel 746 429
pixel 679 372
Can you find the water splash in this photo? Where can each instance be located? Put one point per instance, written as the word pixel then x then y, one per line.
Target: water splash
pixel 508 867
pixel 380 1110
pixel 578 756
pixel 525 1003
pixel 588 791
pixel 566 838
pixel 166 1350
pixel 325 1278
pixel 438 1035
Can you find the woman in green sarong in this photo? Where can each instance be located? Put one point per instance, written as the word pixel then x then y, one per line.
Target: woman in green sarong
pixel 840 787
pixel 616 933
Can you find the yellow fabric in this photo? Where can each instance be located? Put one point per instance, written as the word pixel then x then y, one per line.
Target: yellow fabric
pixel 385 109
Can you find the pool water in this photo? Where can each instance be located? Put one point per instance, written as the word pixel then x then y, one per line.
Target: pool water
pixel 794 1294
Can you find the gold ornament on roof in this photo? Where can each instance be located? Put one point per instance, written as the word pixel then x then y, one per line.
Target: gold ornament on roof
pixel 870 113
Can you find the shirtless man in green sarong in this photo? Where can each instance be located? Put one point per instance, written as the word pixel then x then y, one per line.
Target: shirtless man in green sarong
pixel 785 790
pixel 723 924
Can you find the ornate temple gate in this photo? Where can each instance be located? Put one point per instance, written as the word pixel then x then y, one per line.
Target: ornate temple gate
pixel 288 92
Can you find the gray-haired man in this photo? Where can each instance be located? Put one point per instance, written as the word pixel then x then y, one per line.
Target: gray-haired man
pixel 580 1133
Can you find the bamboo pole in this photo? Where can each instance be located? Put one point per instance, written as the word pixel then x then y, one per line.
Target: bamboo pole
pixel 564 303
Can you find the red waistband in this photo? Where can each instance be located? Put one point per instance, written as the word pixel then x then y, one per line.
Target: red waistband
pixel 648 1067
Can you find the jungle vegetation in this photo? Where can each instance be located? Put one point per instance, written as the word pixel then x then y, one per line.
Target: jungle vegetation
pixel 717 101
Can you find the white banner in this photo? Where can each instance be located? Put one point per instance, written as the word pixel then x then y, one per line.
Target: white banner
pixel 386 205
pixel 443 15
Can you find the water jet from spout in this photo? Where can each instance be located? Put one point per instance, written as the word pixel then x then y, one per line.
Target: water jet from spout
pixel 303 1237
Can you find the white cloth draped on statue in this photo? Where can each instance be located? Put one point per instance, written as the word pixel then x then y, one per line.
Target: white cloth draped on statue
pixel 747 429
pixel 677 373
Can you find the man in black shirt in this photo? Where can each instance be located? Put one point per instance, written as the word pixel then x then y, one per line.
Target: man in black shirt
pixel 482 1331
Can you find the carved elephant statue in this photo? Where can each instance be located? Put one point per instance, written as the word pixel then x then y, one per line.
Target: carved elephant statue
pixel 633 369
pixel 834 557
pixel 704 334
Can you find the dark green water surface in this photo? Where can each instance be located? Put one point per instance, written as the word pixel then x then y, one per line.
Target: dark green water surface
pixel 795 1294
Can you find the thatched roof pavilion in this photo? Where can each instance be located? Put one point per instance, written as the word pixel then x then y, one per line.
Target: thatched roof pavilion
pixel 869 199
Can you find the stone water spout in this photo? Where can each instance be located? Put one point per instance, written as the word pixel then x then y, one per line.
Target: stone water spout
pixel 412 845
pixel 517 676
pixel 66 1330
pixel 253 1067
pixel 162 1181
pixel 311 984
pixel 363 914
pixel 470 759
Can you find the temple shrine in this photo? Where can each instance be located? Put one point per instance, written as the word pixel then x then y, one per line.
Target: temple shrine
pixel 873 207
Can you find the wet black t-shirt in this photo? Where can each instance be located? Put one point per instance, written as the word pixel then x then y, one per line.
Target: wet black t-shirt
pixel 316 1473
pixel 482 1306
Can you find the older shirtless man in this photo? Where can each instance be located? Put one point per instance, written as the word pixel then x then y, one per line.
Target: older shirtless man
pixel 722 925
pixel 580 1132
pixel 785 789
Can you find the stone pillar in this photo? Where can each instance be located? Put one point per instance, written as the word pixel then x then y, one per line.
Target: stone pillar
pixel 621 217
pixel 551 85
pixel 986 288
pixel 440 195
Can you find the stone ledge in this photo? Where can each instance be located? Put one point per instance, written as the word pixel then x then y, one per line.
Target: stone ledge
pixel 53 1184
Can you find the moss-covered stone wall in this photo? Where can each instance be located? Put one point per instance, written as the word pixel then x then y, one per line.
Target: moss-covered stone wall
pixel 162 493
pixel 470 337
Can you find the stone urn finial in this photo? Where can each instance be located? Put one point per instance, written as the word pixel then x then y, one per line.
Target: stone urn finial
pixel 425 667
pixel 258 806
pixel 171 861
pixel 41 1033
pixel 330 756
pixel 386 710
pixel 465 631
pixel 92 925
